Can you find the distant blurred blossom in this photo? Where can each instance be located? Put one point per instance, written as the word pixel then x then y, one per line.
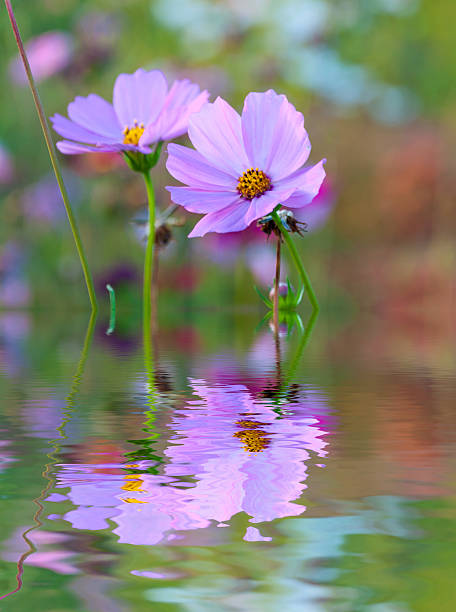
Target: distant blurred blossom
pixel 48 54
pixel 99 29
pixel 6 166
pixel 14 288
pixel 243 167
pixel 241 456
pixel 261 260
pixel 226 249
pixel 144 112
pixel 317 213
pixel 250 246
pixel 97 34
pixel 42 201
pixel 14 327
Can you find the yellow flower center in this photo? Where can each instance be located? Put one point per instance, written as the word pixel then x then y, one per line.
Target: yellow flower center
pixel 255 440
pixel 134 483
pixel 133 134
pixel 253 183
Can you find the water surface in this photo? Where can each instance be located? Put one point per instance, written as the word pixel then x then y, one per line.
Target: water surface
pixel 229 470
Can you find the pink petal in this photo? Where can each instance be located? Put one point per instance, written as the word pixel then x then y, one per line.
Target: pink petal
pixel 68 129
pixel 139 96
pixel 229 219
pixel 216 133
pixel 182 93
pixel 190 167
pixel 200 201
pixel 263 205
pixel 96 115
pixel 183 99
pixel 74 148
pixel 307 183
pixel 274 135
pixel 178 119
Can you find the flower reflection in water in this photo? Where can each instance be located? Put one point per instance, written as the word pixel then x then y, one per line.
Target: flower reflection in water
pixel 229 452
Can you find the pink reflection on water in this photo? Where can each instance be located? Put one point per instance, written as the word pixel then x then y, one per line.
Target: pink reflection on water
pixel 228 453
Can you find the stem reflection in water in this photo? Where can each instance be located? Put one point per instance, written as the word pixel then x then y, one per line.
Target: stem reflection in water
pixel 53 455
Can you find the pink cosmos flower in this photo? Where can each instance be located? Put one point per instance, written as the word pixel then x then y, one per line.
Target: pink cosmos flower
pixel 243 167
pixel 143 112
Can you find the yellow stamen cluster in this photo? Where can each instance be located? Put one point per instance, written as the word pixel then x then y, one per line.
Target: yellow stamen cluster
pixel 134 483
pixel 253 183
pixel 255 440
pixel 247 424
pixel 133 134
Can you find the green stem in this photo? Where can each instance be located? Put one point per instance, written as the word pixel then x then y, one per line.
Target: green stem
pixel 295 255
pixel 54 160
pixel 149 258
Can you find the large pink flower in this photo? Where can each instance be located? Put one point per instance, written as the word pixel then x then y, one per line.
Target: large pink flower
pixel 143 113
pixel 243 167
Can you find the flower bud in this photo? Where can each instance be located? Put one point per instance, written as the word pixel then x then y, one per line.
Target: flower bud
pixel 283 291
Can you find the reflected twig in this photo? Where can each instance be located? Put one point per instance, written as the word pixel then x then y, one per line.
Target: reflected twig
pixel 53 455
pixel 150 350
pixel 302 344
pixel 112 315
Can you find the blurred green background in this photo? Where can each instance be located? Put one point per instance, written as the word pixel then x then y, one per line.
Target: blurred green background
pixel 375 79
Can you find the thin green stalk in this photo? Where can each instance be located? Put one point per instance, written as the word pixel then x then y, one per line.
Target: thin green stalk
pixel 149 258
pixel 54 160
pixel 295 255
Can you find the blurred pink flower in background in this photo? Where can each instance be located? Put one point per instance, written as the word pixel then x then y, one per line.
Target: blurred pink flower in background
pixel 42 201
pixel 48 54
pixel 317 213
pixel 6 166
pixel 242 455
pixel 14 288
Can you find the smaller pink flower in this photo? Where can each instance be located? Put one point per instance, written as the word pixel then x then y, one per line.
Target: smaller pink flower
pixel 48 54
pixel 243 167
pixel 144 112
